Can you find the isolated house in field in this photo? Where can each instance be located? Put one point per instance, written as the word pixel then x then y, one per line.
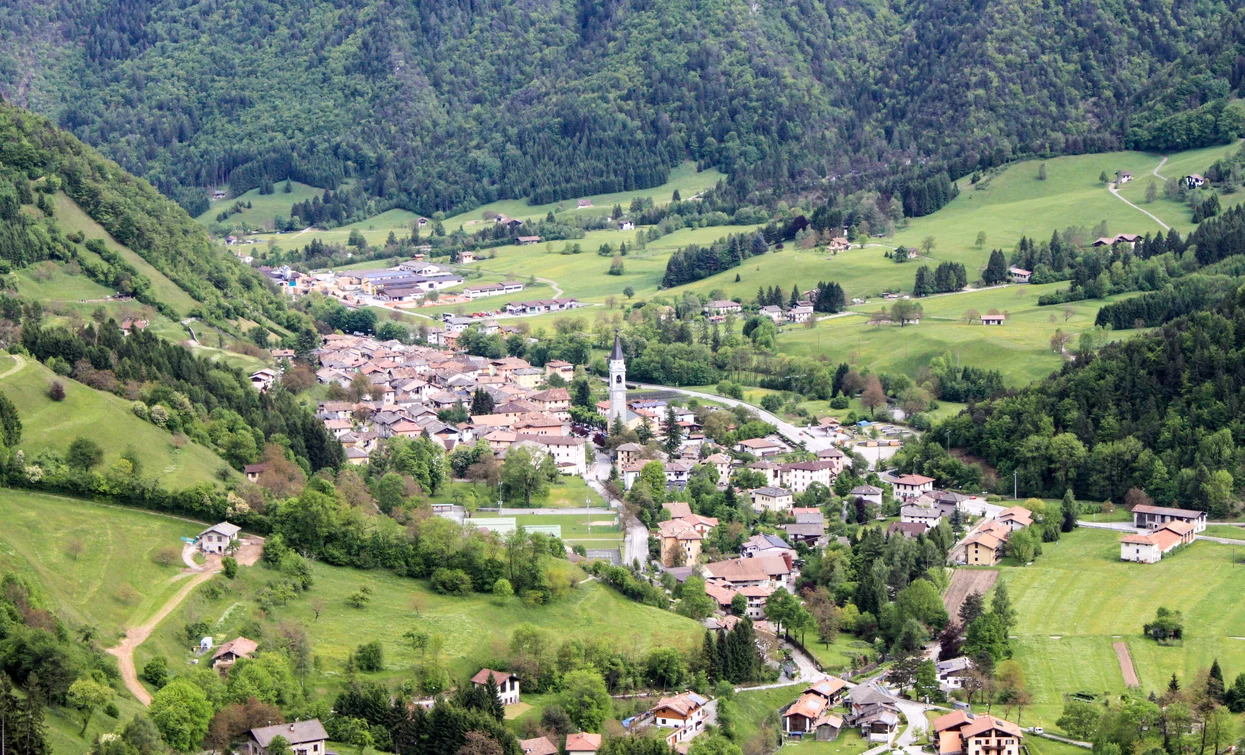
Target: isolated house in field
pixel 1019 275
pixel 305 738
pixel 1194 181
pixel 1155 517
pixel 216 539
pixel 253 471
pixel 507 684
pixel 583 203
pixel 992 319
pixel 1125 177
pixel 231 652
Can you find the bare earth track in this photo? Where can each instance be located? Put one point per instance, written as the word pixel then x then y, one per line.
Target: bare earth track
pixel 965 582
pixel 247 555
pixel 1126 664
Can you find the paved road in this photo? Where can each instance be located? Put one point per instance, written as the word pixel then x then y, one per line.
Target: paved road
pixel 1116 192
pixel 791 432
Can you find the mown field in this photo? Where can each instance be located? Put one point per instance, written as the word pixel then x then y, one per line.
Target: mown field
pixel 106 419
pixel 1177 214
pixel 1078 598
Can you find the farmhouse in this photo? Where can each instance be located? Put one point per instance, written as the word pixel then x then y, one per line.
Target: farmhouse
pixel 1125 177
pixel 1194 181
pixel 809 714
pixel 262 380
pixel 1019 274
pixel 799 314
pixel 231 652
pixel 684 709
pixel 216 539
pixel 507 684
pixel 1154 517
pixel 992 319
pixel 304 737
pixel 1150 548
pixel 527 240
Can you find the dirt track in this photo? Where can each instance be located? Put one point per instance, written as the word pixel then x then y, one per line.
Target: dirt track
pixel 1126 664
pixel 247 555
pixel 965 582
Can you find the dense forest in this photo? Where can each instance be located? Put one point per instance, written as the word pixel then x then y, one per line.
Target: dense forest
pixel 38 160
pixel 1160 414
pixel 441 106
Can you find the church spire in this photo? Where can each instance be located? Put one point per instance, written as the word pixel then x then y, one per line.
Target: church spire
pixel 618 351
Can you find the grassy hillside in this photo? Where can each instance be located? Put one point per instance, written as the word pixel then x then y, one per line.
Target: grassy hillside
pixel 476 628
pixel 1020 348
pixel 72 219
pixel 108 421
pixel 264 207
pixel 1078 598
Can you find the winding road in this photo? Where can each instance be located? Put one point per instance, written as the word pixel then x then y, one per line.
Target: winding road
pixel 1114 189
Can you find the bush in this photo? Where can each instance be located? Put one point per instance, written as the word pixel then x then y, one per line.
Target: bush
pixel 451 581
pixel 839 402
pixel 56 390
pixel 370 657
pixel 167 556
pixel 156 672
pixel 230 565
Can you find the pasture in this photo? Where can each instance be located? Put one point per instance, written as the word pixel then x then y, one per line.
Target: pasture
pixel 264 207
pixel 1175 213
pixel 476 628
pixel 1078 598
pixel 106 419
pixel 1019 348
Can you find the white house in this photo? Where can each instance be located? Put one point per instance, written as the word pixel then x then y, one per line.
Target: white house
pixel 507 684
pixel 216 539
pixel 771 498
pixel 912 485
pixel 304 737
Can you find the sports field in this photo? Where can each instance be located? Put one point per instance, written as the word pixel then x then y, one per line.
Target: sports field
pixel 1078 599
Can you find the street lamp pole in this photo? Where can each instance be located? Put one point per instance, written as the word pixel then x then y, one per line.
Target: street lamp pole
pixel 1015 474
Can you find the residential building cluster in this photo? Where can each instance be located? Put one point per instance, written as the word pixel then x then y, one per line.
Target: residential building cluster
pixel 409 385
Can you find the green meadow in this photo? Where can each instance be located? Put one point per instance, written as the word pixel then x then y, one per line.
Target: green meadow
pixel 1078 598
pixel 476 628
pixel 1019 348
pixel 1177 214
pixel 71 218
pixel 106 419
pixel 264 207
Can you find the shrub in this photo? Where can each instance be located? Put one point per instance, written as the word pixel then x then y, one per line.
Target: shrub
pixel 451 581
pixel 167 556
pixel 56 390
pixel 156 672
pixel 230 565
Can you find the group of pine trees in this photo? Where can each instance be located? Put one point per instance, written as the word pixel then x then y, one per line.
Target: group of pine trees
pixel 694 262
pixel 830 298
pixel 731 656
pixel 947 277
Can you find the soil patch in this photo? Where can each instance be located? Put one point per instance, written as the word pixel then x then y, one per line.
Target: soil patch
pixel 1126 664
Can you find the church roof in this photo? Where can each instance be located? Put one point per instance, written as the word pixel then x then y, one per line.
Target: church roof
pixel 618 351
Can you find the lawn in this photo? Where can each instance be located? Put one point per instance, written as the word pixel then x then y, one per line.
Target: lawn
pixel 848 743
pixel 761 707
pixel 1078 598
pixel 71 218
pixel 476 628
pixel 836 658
pixel 1225 531
pixel 1020 348
pixel 40 537
pixel 53 282
pixel 106 419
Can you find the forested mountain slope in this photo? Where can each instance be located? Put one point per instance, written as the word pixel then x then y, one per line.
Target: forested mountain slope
pixel 445 104
pixel 37 160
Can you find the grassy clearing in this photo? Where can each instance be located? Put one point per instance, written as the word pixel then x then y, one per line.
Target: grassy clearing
pixel 837 657
pixel 1225 531
pixel 108 421
pixel 49 282
pixel 1020 348
pixel 71 218
pixel 263 206
pixel 1079 597
pixel 38 538
pixel 476 628
pixel 1178 214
